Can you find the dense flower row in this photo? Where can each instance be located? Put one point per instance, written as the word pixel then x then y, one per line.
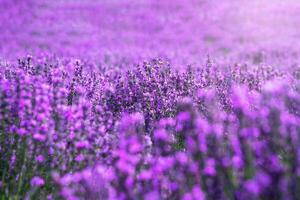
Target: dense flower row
pixel 77 130
pixel 251 153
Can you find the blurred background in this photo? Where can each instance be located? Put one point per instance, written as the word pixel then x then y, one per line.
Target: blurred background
pixel 183 32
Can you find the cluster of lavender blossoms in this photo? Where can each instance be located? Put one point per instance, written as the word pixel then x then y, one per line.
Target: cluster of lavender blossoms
pixel 145 99
pixel 72 129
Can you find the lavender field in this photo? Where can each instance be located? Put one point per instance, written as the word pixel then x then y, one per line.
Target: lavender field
pixel 150 100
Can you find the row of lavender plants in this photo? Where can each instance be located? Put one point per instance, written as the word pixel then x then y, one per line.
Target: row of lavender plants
pixel 77 130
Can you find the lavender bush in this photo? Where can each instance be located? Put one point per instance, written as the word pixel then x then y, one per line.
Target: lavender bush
pixel 177 108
